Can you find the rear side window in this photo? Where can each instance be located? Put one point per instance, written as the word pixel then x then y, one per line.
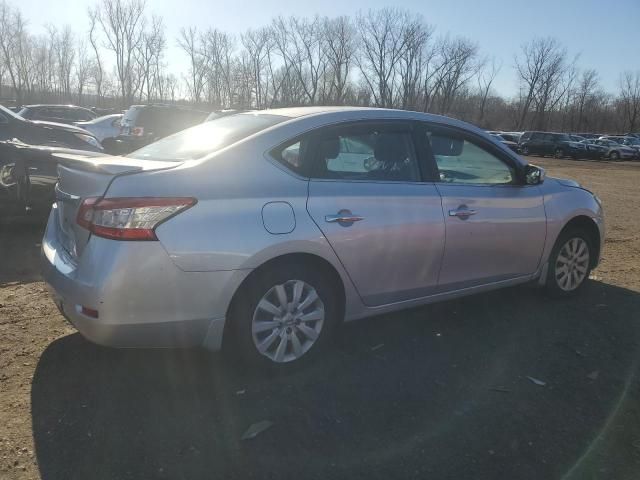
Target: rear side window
pixel 370 153
pixel 293 154
pixel 536 136
pixel 205 138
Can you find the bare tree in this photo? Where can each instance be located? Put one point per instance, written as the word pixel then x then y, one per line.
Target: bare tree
pixel 383 41
pixel 587 88
pixel 64 50
pixel 539 68
pixel 411 64
pixel 217 50
pixel 456 65
pixel 97 71
pixel 149 57
pixel 83 67
pixel 339 34
pixel 189 43
pixel 123 24
pixel 486 76
pixel 257 44
pixel 630 99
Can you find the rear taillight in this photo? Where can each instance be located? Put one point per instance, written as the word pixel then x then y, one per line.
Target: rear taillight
pixel 130 218
pixel 137 131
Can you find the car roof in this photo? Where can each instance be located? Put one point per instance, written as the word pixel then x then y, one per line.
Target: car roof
pixel 363 113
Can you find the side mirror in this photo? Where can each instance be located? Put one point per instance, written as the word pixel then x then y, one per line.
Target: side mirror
pixel 534 175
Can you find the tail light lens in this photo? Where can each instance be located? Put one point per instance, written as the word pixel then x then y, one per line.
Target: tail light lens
pixel 137 131
pixel 129 218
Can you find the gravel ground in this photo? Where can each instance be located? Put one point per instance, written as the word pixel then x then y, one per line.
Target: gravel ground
pixel 435 392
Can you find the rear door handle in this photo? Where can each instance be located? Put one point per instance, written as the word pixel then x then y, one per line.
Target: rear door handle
pixel 343 216
pixel 462 212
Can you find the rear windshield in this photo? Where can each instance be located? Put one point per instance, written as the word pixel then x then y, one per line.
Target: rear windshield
pixel 198 141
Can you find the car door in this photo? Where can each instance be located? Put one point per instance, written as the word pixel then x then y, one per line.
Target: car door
pixel 495 224
pixel 368 197
pixel 535 143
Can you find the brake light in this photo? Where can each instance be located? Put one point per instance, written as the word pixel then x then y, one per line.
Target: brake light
pixel 129 218
pixel 137 131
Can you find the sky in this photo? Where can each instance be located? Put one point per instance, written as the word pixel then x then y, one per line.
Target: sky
pixel 605 33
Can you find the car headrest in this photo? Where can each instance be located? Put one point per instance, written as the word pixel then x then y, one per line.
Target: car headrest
pixel 390 149
pixel 329 148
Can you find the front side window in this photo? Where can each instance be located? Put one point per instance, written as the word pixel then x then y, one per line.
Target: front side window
pixel 367 153
pixel 460 160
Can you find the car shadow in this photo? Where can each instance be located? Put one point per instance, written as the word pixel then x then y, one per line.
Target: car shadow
pixel 441 391
pixel 20 240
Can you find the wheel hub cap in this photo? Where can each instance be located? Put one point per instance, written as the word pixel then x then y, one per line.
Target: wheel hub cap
pixel 287 321
pixel 572 264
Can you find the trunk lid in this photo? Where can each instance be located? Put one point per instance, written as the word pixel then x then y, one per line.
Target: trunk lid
pixel 81 176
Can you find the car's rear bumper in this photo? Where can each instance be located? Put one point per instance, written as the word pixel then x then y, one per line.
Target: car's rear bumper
pixel 142 298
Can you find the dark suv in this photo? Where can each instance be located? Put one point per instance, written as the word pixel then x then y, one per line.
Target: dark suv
pixel 144 124
pixel 56 113
pixel 558 145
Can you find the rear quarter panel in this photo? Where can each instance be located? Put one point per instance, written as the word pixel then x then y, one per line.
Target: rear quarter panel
pixel 225 230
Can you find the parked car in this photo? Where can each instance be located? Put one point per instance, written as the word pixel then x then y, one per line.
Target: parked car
pixel 631 142
pixel 265 230
pixel 144 124
pixel 45 133
pixel 28 175
pixel 545 143
pixel 594 151
pixel 511 136
pixel 589 136
pixel 57 113
pixel 512 145
pixel 615 150
pixel 103 127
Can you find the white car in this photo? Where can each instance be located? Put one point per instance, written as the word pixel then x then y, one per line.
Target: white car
pixel 103 127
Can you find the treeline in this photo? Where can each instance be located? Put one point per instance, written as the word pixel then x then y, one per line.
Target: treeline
pixel 388 58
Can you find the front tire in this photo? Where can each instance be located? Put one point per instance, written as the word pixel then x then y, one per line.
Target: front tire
pixel 569 263
pixel 285 315
pixel 559 153
pixel 614 156
pixel 525 151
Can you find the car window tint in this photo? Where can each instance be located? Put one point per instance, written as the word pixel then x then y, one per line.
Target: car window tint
pixel 462 161
pixel 290 156
pixel 376 155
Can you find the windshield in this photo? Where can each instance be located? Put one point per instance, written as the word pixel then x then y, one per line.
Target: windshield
pixel 198 141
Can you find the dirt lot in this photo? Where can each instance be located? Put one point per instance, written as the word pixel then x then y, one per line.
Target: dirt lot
pixel 436 392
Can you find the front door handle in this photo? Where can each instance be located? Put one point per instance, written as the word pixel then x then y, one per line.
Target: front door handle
pixel 343 217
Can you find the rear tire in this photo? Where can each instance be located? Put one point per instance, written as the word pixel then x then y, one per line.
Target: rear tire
pixel 569 263
pixel 275 321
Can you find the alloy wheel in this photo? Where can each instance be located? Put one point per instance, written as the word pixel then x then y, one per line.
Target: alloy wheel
pixel 572 264
pixel 287 321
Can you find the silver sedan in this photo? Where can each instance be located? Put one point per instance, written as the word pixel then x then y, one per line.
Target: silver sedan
pixel 265 230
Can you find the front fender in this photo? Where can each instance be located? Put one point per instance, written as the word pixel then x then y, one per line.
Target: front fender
pixel 562 204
